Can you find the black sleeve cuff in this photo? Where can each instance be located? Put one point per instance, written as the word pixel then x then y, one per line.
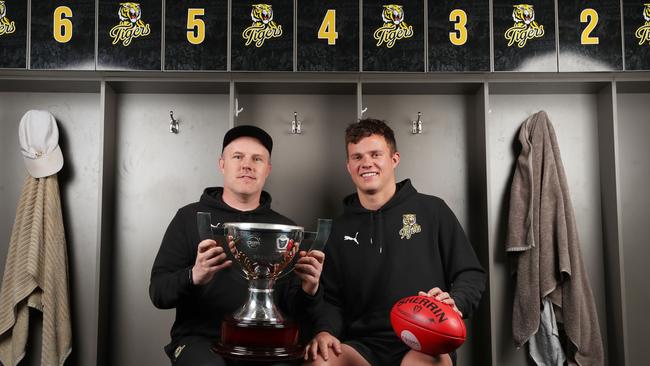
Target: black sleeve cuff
pixel 312 299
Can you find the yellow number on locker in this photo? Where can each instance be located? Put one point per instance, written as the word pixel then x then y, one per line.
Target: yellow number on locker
pixel 458 37
pixel 195 26
pixel 327 28
pixel 62 29
pixel 589 16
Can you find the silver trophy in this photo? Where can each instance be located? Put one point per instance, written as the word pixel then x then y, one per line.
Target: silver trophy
pixel 263 253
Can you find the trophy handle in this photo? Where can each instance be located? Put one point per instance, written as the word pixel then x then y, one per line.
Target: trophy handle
pixel 209 231
pixel 206 229
pixel 319 238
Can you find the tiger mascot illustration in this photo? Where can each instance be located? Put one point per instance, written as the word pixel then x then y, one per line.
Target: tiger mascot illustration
pixel 643 32
pixel 525 27
pixel 130 14
pixel 410 226
pixel 3 12
pixel 262 15
pixel 394 14
pixel 6 26
pixel 524 16
pixel 131 25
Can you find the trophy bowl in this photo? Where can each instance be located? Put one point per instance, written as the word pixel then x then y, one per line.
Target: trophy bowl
pixel 264 253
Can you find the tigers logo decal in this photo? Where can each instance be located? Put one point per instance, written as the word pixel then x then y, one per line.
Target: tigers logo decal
pixel 263 26
pixel 394 28
pixel 525 27
pixel 131 25
pixel 7 26
pixel 410 226
pixel 643 32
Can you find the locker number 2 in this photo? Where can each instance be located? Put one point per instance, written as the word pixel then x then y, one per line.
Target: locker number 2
pixel 327 28
pixel 589 16
pixel 458 36
pixel 195 26
pixel 62 29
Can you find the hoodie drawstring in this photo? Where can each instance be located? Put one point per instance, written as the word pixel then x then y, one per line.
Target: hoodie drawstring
pixel 372 226
pixel 380 229
pixel 380 236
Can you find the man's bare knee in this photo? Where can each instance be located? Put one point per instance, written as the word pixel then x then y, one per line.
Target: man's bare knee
pixel 414 358
pixel 348 357
pixel 317 362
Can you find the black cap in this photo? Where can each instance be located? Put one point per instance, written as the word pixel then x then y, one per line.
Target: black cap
pixel 249 131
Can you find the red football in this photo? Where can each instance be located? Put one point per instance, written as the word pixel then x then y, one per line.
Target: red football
pixel 427 325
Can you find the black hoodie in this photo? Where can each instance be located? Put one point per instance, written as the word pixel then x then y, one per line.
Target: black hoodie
pixel 200 309
pixel 373 258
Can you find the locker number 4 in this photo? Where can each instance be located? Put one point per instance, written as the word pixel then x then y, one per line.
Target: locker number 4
pixel 327 28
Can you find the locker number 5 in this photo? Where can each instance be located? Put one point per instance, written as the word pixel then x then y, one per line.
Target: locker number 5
pixel 62 29
pixel 458 36
pixel 195 26
pixel 327 28
pixel 589 16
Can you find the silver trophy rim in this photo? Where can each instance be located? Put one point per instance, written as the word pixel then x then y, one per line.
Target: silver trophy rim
pixel 262 226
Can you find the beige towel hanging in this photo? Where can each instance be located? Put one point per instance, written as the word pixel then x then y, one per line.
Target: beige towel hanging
pixel 36 276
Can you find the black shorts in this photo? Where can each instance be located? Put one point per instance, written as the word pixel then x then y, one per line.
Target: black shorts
pixel 379 350
pixel 383 350
pixel 197 351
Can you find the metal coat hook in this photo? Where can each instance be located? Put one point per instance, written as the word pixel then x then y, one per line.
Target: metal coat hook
pixel 363 110
pixel 237 109
pixel 173 124
pixel 296 125
pixel 417 125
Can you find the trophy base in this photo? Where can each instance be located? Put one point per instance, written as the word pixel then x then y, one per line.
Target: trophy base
pixel 259 341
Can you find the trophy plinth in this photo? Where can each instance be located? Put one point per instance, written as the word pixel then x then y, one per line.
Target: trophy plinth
pixel 259 340
pixel 263 253
pixel 258 331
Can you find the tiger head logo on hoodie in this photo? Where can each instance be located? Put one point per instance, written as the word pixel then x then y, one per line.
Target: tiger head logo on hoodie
pixel 410 226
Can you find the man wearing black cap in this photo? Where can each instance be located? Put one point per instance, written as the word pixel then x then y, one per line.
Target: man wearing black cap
pixel 194 276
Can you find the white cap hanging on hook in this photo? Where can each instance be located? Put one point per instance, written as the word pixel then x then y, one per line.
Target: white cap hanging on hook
pixel 39 143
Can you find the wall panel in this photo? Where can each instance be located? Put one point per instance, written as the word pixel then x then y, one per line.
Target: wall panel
pixel 156 173
pixel 77 116
pixel 633 135
pixel 575 119
pixel 309 178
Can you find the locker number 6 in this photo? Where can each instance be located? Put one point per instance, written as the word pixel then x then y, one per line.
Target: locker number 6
pixel 62 30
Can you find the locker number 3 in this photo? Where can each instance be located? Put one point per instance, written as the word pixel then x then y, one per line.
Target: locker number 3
pixel 458 36
pixel 327 28
pixel 62 29
pixel 589 16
